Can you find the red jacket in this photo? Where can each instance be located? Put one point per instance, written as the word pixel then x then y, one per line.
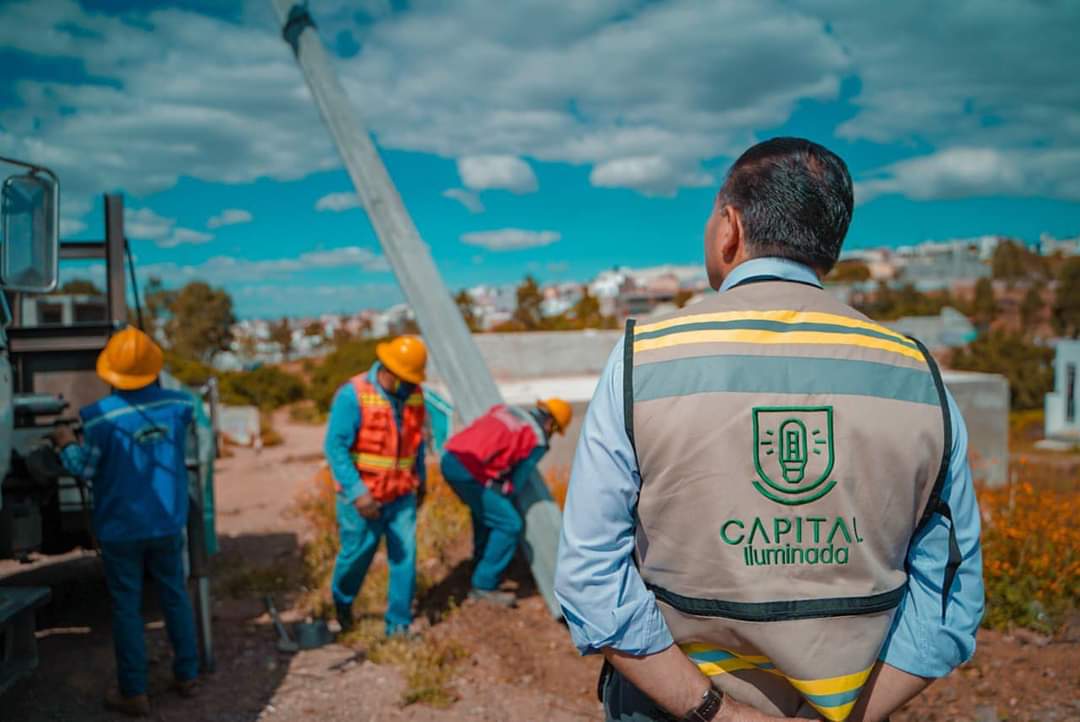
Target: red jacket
pixel 492 445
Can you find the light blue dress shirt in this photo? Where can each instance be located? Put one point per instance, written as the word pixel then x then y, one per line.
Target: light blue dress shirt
pixel 605 601
pixel 341 430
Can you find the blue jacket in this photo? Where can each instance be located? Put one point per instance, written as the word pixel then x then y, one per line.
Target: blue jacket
pixel 133 453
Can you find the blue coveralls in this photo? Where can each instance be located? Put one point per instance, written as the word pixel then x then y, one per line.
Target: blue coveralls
pixel 359 536
pixel 133 453
pixel 497 525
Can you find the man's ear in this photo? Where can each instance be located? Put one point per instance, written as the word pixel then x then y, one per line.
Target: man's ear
pixel 732 240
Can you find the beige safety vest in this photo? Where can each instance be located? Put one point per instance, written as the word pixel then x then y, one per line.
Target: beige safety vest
pixel 789 448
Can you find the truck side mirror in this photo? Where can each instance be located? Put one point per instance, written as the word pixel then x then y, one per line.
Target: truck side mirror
pixel 30 232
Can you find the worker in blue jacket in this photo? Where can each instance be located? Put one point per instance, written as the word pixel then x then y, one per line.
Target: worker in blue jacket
pixel 133 453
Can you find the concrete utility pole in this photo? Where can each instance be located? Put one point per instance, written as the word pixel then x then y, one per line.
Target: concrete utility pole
pixel 452 348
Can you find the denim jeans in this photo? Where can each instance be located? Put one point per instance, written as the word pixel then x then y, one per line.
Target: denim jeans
pixel 359 540
pixel 126 563
pixel 496 523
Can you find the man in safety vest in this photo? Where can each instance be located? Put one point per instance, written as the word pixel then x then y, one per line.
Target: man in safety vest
pixel 771 510
pixel 484 463
pixel 375 449
pixel 133 451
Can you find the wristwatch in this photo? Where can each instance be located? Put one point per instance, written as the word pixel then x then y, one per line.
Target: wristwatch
pixel 710 705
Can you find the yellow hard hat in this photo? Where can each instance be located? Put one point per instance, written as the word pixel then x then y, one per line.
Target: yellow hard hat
pixel 561 411
pixel 405 357
pixel 131 360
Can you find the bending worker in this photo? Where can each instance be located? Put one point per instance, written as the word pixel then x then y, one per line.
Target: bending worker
pixel 375 448
pixel 484 463
pixel 771 510
pixel 133 453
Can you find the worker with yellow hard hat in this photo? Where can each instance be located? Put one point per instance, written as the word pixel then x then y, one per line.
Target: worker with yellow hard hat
pixel 133 451
pixel 485 463
pixel 375 449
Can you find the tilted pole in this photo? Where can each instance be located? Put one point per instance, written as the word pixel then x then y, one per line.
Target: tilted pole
pixel 455 354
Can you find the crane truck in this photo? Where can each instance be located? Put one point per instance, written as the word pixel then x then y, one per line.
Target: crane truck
pixel 49 344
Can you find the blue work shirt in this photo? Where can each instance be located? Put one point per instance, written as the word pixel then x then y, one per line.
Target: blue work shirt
pixel 605 601
pixel 133 452
pixel 341 431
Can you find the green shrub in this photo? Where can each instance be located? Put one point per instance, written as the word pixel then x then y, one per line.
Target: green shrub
pixel 267 387
pixel 344 362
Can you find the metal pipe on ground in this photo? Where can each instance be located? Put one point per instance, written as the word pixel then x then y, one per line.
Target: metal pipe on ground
pixel 452 348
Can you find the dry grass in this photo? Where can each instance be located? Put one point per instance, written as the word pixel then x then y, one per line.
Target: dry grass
pixel 426 662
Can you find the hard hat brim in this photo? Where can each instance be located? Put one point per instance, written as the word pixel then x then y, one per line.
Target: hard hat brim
pixel 126 382
pixel 559 428
pixel 382 352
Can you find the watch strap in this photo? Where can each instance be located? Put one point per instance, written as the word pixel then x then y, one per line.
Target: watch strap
pixel 710 705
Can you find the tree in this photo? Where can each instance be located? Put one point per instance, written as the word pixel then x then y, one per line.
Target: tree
pixel 198 319
pixel 851 271
pixel 1027 366
pixel 313 329
pixel 1031 307
pixel 681 297
pixel 465 307
pixel 281 334
pixel 984 308
pixel 79 287
pixel 1013 261
pixel 529 299
pixel 1066 313
pixel 587 310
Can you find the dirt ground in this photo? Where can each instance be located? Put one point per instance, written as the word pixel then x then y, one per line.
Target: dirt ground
pixel 517 664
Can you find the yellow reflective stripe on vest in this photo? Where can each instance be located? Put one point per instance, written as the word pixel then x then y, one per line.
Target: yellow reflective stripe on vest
pixel 376 461
pixel 779 316
pixel 833 697
pixel 373 400
pixel 773 337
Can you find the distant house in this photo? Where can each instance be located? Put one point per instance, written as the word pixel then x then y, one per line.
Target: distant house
pixel 1062 417
pixel 948 329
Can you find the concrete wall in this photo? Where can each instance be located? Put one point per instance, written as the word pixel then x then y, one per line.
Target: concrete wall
pixel 528 366
pixel 984 403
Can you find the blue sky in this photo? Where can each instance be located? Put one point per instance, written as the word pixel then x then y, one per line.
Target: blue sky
pixel 528 136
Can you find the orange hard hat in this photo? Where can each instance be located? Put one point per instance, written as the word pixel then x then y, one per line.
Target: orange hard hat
pixel 131 360
pixel 559 410
pixel 405 357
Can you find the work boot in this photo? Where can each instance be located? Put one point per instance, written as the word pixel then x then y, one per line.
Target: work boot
pixel 494 596
pixel 344 617
pixel 137 706
pixel 187 688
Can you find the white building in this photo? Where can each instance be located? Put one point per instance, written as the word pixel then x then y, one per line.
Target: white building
pixel 1062 419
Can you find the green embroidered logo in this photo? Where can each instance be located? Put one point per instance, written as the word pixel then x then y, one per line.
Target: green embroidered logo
pixel 793 452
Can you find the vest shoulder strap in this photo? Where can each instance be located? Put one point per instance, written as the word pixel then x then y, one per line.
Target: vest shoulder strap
pixel 628 384
pixel 937 504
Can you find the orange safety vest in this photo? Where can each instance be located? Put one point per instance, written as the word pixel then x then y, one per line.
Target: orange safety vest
pixel 385 455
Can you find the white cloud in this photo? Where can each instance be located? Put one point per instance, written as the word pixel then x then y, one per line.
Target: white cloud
pixel 181 236
pixel 652 175
pixel 505 172
pixel 71 226
pixel 229 269
pixel 510 239
pixel 229 217
pixel 147 224
pixel 466 198
pixel 963 172
pixel 337 202
pixel 581 83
